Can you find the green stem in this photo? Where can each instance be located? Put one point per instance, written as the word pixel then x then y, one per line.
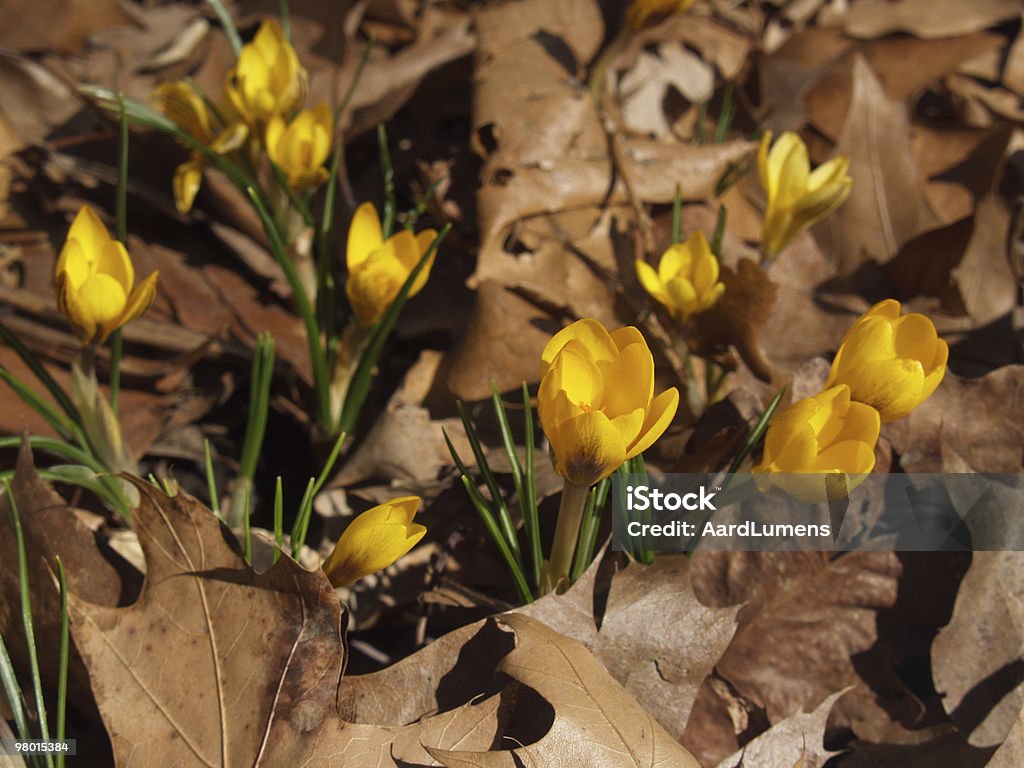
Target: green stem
pixel 567 529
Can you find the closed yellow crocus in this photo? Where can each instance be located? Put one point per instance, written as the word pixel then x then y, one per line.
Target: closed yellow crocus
pixel 828 436
pixel 891 362
pixel 374 540
pixel 268 79
pixel 686 281
pixel 378 268
pixel 596 400
pixel 797 196
pixel 180 102
pixel 95 281
pixel 640 10
pixel 301 147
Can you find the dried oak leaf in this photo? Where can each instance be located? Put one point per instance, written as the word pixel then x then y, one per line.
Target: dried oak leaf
pixel 737 319
pixel 927 18
pixel 52 529
pixel 262 656
pixel 887 205
pixel 976 658
pixel 967 425
pixel 652 635
pixel 803 620
pixel 596 723
pixel 1011 752
pixel 795 742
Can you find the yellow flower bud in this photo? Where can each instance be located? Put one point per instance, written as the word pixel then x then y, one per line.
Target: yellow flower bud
pixel 686 282
pixel 889 362
pixel 378 268
pixel 95 279
pixel 268 79
pixel 640 10
pixel 374 540
pixel 180 102
pixel 596 400
pixel 797 197
pixel 828 437
pixel 301 147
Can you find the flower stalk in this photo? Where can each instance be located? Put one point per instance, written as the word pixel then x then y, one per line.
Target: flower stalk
pixel 567 531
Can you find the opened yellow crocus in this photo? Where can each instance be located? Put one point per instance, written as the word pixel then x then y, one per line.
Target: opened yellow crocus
pixel 596 400
pixel 797 196
pixel 268 79
pixel 686 281
pixel 301 147
pixel 374 540
pixel 377 268
pixel 828 437
pixel 640 10
pixel 889 362
pixel 95 279
pixel 180 102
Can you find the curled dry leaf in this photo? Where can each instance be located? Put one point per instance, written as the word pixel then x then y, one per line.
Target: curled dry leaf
pixel 803 620
pixel 887 204
pixel 976 658
pixel 653 635
pixel 596 723
pixel 737 319
pixel 796 742
pixel 927 18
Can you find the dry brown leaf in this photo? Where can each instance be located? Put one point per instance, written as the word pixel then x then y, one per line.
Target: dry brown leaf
pixel 976 658
pixel 654 637
pixel 887 205
pixel 52 529
pixel 263 653
pixel 803 620
pixel 1013 72
pixel 35 102
pixel 927 18
pixel 984 279
pixel 1011 752
pixel 828 100
pixel 596 723
pixel 654 75
pixel 795 742
pixel 738 318
pixel 968 425
pixel 60 25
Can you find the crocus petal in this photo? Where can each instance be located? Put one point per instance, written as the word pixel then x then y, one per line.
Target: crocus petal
pixel 113 260
pixel 659 416
pixel 188 177
pixel 374 540
pixel 364 235
pixel 101 298
pixel 651 282
pixel 89 231
pixel 73 263
pixel 81 321
pixel 590 333
pixel 677 258
pixel 589 448
pixel 628 381
pixel 140 299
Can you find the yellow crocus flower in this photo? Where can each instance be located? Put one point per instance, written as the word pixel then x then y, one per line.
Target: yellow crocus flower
pixel 797 196
pixel 596 400
pixel 374 540
pixel 889 362
pixel 377 268
pixel 640 10
pixel 95 281
pixel 180 102
pixel 301 147
pixel 820 447
pixel 686 281
pixel 268 79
